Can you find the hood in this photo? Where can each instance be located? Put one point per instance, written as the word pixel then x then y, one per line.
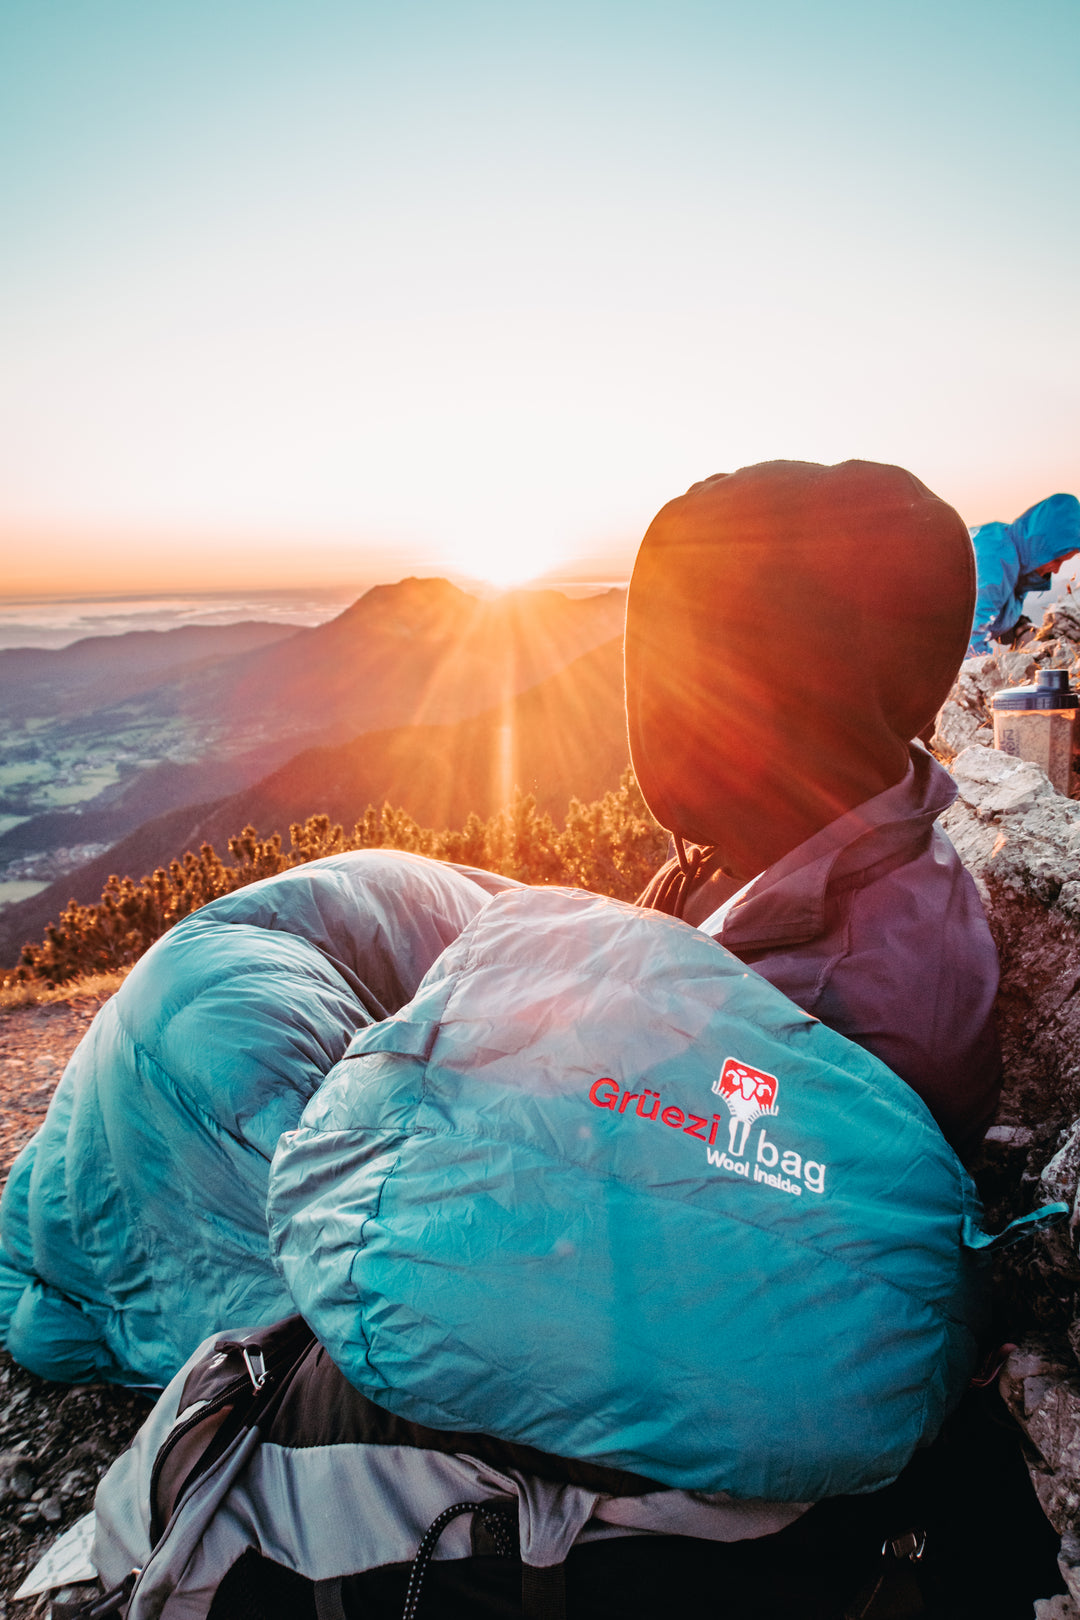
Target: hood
pixel 1045 532
pixel 789 628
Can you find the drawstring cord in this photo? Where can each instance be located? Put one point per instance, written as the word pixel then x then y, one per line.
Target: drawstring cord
pixel 691 865
pixel 542 1589
pixel 689 870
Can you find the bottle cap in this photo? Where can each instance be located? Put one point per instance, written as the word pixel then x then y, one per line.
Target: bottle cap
pixel 1051 691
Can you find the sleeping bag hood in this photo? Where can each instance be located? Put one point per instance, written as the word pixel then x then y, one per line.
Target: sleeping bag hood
pixel 790 627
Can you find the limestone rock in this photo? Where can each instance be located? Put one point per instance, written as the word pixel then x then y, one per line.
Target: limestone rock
pixel 1041 1387
pixel 1021 842
pixel 1012 828
pixel 966 717
pixel 1042 1390
pixel 958 728
pixel 1061 622
pixel 1017 668
pixel 1020 839
pixel 1060 1607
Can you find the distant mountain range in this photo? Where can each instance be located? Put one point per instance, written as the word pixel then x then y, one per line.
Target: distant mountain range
pixel 417 694
pixel 101 671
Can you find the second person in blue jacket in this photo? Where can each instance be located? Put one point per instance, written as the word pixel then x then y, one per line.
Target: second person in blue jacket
pixel 1015 558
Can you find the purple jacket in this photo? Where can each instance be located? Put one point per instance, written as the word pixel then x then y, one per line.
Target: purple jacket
pixel 874 926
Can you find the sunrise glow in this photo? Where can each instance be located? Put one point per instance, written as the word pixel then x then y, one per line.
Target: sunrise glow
pixel 349 293
pixel 503 564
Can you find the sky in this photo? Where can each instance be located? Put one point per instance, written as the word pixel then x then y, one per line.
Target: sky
pixel 316 293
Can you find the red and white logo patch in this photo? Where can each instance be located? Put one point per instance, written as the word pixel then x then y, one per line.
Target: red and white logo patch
pixel 749 1093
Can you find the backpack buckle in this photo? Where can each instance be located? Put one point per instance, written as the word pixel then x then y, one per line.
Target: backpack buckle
pixel 911 1545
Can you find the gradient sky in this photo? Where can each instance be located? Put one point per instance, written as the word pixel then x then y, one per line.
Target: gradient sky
pixel 321 292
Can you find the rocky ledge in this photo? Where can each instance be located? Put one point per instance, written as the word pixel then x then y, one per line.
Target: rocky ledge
pixel 1020 839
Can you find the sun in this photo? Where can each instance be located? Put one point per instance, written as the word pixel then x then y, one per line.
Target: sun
pixel 505 562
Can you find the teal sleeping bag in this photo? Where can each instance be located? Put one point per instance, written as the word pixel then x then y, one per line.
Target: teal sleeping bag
pixel 133 1224
pixel 601 1189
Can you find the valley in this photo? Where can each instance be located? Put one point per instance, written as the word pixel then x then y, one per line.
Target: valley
pixel 117 753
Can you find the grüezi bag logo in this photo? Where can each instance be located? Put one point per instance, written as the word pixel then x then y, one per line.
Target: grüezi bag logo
pixel 749 1094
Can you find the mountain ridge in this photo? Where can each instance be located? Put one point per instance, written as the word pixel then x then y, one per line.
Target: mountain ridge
pixel 135 659
pixel 415 652
pixel 566 739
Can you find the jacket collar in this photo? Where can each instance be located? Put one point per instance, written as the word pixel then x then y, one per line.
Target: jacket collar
pixel 785 905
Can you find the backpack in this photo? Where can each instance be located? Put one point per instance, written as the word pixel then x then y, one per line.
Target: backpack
pixel 263 1487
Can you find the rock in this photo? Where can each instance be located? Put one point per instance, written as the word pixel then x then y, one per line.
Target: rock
pixel 17 1477
pixel 1041 1387
pixel 1040 1384
pixel 58 1441
pixel 1016 668
pixel 994 784
pixel 1061 1607
pixel 1061 622
pixel 1020 840
pixel 966 718
pixel 1069 1564
pixel 958 728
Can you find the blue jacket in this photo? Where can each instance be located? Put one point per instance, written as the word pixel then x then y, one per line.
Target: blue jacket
pixel 1007 557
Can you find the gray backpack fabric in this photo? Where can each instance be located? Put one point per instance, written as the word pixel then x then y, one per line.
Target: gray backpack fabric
pixel 264 1487
pixel 259 1446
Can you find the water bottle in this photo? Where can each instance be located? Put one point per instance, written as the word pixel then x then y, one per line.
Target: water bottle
pixel 1039 723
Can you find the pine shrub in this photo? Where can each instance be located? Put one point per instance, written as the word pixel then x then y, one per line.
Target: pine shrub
pixel 611 846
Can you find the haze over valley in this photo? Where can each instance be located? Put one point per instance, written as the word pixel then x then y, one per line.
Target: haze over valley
pixel 120 752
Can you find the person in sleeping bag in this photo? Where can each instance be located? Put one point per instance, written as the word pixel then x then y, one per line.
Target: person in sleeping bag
pixel 774 743
pixel 782 650
pixel 775 746
pixel 1012 559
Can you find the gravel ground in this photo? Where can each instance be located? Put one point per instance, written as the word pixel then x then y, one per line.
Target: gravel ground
pixel 35 1044
pixel 56 1440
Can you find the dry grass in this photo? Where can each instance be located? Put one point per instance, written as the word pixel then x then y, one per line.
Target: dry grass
pixel 39 993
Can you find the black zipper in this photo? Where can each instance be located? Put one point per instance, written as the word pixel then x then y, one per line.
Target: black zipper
pixel 261 1367
pixel 231 1390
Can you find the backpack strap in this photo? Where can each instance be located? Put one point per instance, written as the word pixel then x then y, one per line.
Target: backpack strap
pixel 328 1604
pixel 543 1591
pixel 228 1396
pixel 101 1607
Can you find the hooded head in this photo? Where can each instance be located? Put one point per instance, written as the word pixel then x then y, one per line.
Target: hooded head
pixel 789 628
pixel 1045 533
